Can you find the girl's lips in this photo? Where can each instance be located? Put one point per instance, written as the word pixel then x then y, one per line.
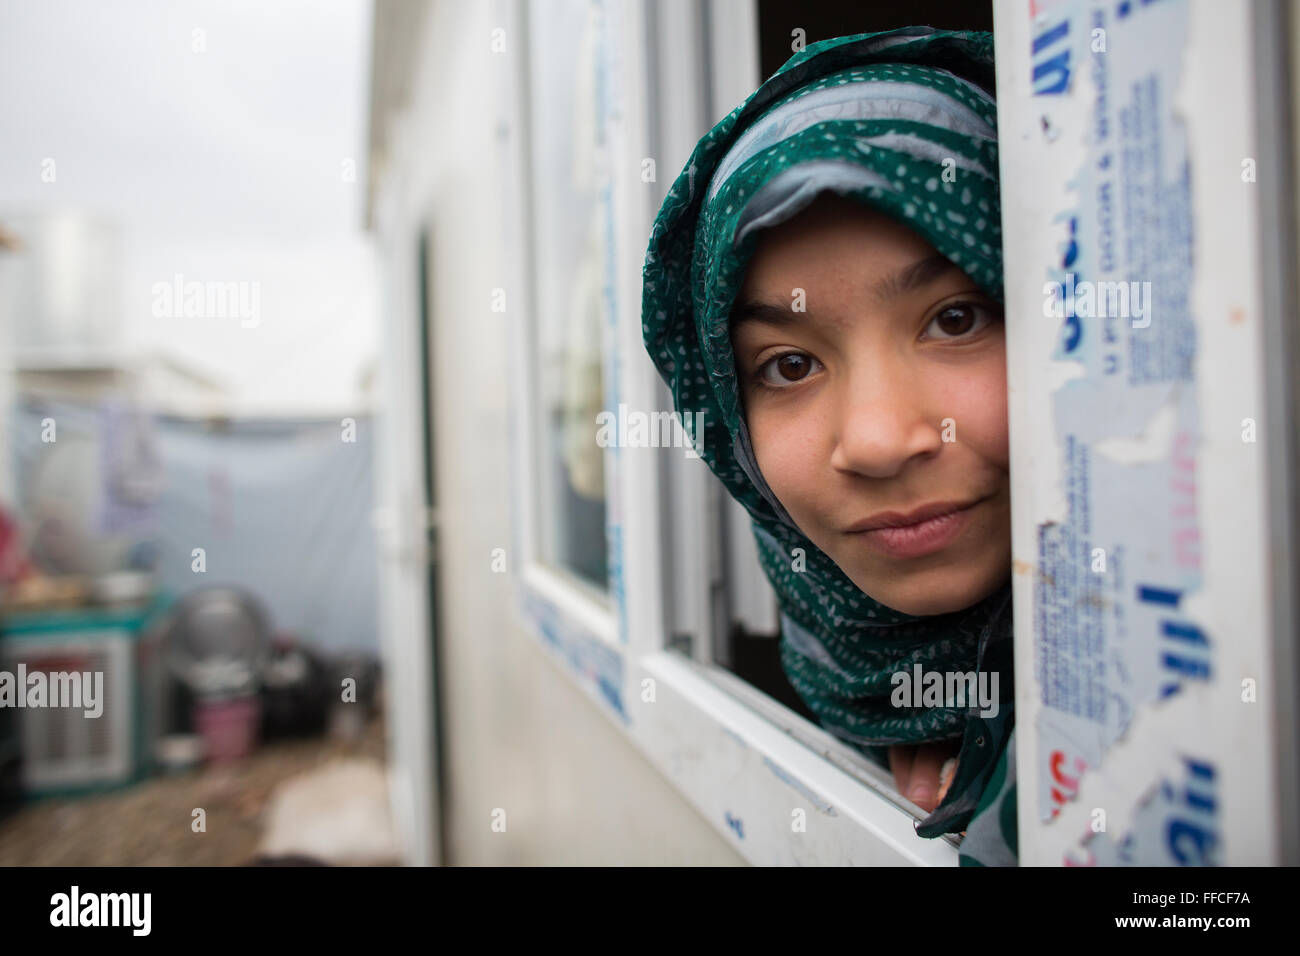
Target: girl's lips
pixel 924 537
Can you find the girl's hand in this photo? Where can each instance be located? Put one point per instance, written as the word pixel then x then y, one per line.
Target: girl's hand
pixel 920 772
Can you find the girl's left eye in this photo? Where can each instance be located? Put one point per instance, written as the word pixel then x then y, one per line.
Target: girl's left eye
pixel 785 370
pixel 961 319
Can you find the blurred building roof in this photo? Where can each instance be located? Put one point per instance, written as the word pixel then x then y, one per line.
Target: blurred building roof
pixel 398 24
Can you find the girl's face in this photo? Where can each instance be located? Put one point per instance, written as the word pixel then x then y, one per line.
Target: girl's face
pixel 873 373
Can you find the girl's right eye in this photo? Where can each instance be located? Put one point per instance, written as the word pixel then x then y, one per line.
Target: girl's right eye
pixel 787 369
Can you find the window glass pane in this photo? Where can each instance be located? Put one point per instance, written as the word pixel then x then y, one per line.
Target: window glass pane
pixel 569 275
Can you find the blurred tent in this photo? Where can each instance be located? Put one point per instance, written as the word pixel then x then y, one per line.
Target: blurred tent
pixel 280 507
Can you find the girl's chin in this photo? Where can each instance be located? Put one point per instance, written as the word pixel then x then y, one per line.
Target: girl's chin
pixel 923 599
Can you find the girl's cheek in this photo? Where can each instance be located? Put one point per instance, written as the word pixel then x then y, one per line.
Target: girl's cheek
pixel 994 407
pixel 781 448
pixel 981 416
pixel 792 452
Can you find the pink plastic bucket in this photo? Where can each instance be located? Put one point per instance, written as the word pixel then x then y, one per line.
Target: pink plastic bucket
pixel 229 727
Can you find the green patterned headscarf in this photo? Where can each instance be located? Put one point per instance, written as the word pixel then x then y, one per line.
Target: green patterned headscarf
pixel 900 121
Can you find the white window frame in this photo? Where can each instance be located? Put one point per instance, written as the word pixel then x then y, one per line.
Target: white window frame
pixel 746 762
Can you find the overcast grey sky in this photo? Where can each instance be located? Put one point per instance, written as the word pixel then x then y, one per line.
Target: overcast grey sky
pixel 221 154
pixel 248 136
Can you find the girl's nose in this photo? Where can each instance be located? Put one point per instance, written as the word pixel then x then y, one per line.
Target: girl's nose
pixel 880 425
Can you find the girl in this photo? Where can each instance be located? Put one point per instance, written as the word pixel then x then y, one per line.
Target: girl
pixel 824 286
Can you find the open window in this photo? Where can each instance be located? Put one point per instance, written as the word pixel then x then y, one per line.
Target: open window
pixel 636 567
pixel 720 612
pixel 640 572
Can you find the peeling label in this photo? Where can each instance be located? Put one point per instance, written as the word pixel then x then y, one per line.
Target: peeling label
pixel 1175 826
pixel 587 656
pixel 1111 628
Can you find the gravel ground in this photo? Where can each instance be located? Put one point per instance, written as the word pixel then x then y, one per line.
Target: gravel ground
pixel 150 824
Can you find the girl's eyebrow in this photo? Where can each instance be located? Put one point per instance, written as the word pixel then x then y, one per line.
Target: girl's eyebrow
pixel 910 278
pixel 752 310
